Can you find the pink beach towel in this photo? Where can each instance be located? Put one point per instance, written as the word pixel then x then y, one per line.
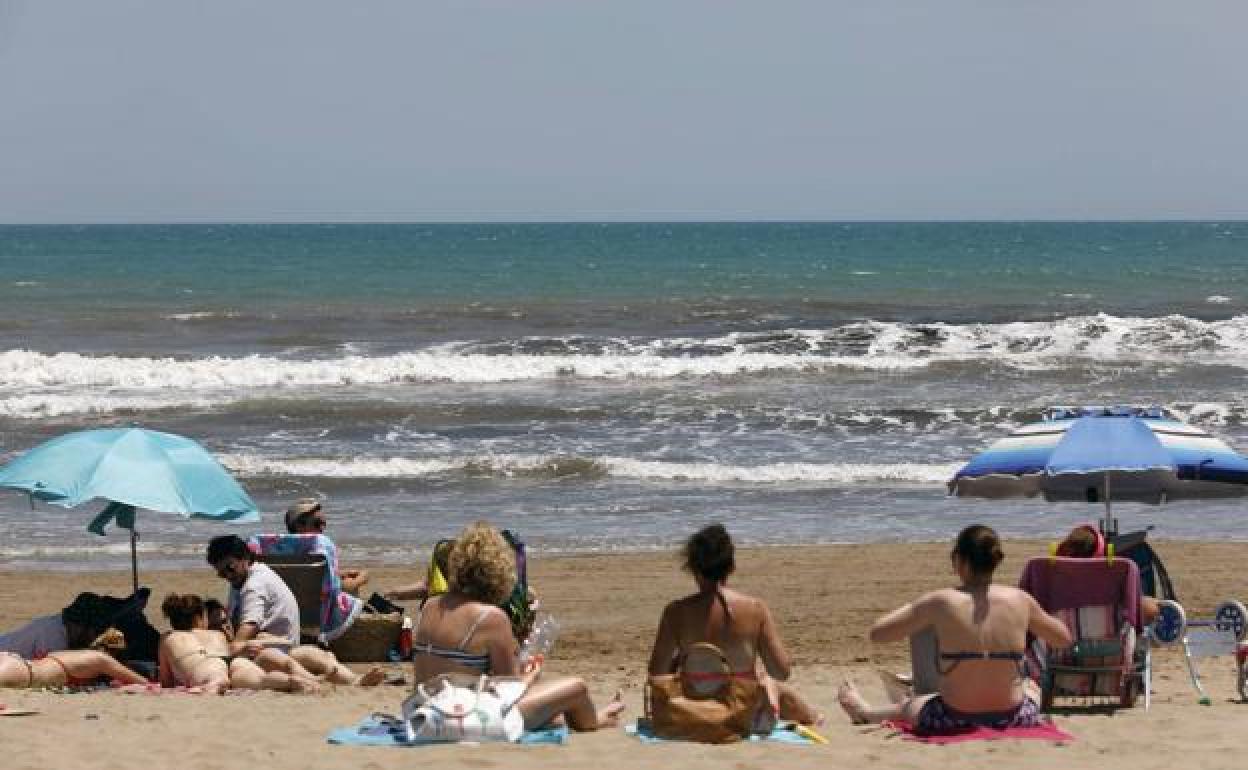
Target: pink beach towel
pixel 1045 732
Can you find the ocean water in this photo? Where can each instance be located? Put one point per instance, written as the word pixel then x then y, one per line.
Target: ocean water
pixel 610 386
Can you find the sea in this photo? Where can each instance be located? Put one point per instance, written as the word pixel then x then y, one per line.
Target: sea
pixel 609 387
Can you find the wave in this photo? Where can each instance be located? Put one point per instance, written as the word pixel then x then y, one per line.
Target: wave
pixel 562 466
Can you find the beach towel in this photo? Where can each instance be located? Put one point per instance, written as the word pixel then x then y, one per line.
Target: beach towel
pixel 1045 732
pixel 385 730
pixel 338 608
pixel 779 734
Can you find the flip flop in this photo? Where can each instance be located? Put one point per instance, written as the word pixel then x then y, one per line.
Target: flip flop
pixel 5 711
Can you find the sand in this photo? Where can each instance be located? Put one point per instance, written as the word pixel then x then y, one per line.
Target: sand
pixel 823 597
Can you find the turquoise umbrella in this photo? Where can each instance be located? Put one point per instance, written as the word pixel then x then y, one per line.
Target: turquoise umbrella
pixel 131 468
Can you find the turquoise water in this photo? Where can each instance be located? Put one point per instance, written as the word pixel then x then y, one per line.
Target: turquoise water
pixel 606 386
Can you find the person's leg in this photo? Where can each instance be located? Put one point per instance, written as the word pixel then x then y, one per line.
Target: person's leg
pixel 794 708
pixel 246 675
pixel 88 664
pixel 546 699
pixel 323 663
pixel 15 672
pixel 276 660
pixel 861 712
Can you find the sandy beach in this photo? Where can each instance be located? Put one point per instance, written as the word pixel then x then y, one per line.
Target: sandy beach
pixel 823 598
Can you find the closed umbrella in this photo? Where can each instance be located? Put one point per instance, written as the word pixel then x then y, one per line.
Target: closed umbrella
pixel 1106 454
pixel 131 468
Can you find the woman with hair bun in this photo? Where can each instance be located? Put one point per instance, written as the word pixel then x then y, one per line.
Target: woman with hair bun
pixel 740 626
pixel 981 631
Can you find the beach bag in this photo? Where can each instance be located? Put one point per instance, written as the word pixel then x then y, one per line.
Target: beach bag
pixel 450 709
pixel 707 707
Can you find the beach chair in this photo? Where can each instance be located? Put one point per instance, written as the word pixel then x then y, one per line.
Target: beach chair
pixel 1099 601
pixel 308 563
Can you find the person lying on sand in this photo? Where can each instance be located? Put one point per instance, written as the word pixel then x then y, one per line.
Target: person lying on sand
pixel 69 667
pixel 262 604
pixel 465 631
pixel 981 631
pixel 194 656
pixel 740 626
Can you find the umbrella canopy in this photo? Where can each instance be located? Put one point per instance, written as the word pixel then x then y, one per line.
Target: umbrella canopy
pixel 1099 454
pixel 131 467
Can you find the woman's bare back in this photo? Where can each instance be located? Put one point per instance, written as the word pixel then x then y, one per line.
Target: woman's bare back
pixel 739 625
pixel 995 621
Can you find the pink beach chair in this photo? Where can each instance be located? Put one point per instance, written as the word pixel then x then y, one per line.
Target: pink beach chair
pixel 1099 601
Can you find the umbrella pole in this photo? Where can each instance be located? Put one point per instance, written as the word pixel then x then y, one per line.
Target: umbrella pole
pixel 1109 527
pixel 134 559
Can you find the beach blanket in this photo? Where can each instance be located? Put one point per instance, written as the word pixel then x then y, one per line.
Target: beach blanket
pixel 338 608
pixel 381 730
pixel 778 735
pixel 1045 732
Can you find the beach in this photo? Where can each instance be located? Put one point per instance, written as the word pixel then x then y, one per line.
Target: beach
pixel 823 598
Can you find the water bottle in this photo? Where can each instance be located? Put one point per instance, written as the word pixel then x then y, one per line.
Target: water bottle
pixel 405 639
pixel 540 642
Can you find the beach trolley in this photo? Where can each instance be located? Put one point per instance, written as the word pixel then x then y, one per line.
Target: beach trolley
pixel 1226 633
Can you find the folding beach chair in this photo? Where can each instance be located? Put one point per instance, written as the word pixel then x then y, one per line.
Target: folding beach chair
pixel 308 563
pixel 1099 601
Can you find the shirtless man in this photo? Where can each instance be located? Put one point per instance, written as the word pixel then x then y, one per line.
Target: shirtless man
pixel 981 630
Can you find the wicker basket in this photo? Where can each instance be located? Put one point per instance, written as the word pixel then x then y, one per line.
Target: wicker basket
pixel 369 639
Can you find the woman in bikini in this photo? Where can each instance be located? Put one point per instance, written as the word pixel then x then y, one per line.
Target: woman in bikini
pixel 981 630
pixel 464 631
pixel 195 656
pixel 58 669
pixel 740 626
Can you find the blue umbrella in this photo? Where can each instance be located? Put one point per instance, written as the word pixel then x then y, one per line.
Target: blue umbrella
pixel 1103 454
pixel 132 468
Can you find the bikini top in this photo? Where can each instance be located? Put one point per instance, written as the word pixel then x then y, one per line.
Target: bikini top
pixel 958 657
pixel 456 655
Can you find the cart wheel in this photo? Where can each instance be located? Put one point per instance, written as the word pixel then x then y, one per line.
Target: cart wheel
pixel 1231 616
pixel 1171 622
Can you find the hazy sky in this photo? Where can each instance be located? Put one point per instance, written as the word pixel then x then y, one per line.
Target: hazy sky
pixel 181 110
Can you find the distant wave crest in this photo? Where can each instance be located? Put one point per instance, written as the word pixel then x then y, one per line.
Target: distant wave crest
pixel 559 466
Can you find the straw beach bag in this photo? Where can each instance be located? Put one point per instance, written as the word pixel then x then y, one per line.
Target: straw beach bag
pixel 707 707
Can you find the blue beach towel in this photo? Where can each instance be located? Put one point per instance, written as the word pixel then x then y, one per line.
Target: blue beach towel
pixel 378 731
pixel 777 735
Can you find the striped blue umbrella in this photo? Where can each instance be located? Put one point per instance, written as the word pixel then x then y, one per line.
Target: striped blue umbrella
pixel 1106 454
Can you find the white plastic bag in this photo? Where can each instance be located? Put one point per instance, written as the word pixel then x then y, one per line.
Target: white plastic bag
pixel 443 710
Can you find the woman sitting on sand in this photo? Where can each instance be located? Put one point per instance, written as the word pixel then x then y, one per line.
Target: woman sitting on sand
pixel 464 631
pixel 739 625
pixel 66 667
pixel 981 631
pixel 195 656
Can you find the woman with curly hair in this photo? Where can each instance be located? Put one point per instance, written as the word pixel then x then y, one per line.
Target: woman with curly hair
pixel 463 631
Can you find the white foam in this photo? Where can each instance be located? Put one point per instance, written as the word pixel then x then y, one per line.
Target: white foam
pixel 615 467
pixel 1217 299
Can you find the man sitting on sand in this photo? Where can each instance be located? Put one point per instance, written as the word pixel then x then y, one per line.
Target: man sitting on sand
pixel 261 603
pixel 981 631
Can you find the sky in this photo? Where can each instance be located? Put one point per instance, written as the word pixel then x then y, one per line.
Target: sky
pixel 517 110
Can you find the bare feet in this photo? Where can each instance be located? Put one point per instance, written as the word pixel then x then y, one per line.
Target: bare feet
pixel 373 677
pixel 609 715
pixel 851 700
pixel 303 686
